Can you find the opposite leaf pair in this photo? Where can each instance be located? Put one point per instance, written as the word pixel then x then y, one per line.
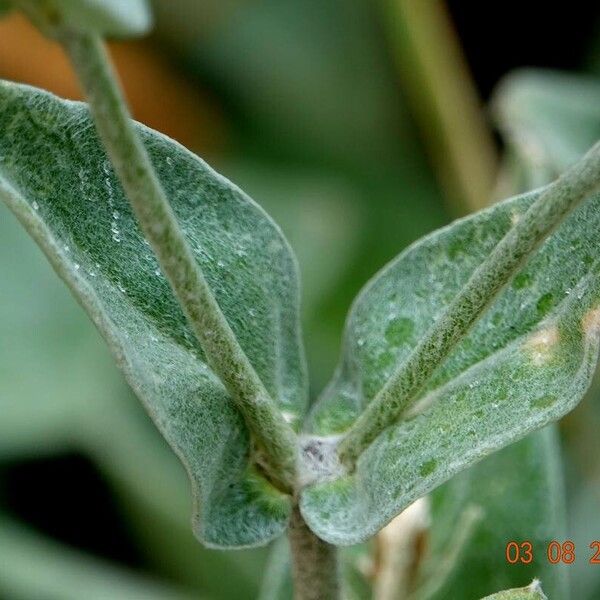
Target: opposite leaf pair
pixel 526 362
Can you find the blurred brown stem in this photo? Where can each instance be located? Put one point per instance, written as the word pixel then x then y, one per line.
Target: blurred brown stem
pixel 444 98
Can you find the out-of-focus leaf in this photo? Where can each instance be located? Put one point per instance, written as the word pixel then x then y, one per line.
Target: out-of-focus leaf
pixel 549 120
pixel 327 53
pixel 531 592
pixel 35 567
pixel 55 176
pixel 119 18
pixel 45 337
pixel 526 362
pixel 518 493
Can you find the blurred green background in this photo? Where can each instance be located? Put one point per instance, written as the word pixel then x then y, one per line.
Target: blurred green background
pixel 359 126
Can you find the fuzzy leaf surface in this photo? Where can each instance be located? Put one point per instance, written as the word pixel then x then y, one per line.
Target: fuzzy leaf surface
pixel 526 362
pixel 55 177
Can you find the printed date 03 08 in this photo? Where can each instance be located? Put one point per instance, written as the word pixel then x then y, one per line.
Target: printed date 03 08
pixel 556 552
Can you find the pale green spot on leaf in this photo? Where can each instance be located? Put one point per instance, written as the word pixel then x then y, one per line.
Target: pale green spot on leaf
pixel 428 467
pixel 544 401
pixel 522 280
pixel 399 331
pixel 544 304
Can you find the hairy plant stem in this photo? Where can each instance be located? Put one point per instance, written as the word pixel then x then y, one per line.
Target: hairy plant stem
pixel 158 222
pixel 315 566
pixel 403 387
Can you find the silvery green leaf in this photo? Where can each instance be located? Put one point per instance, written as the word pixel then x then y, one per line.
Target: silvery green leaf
pixel 526 362
pixel 548 118
pixel 46 334
pixel 118 18
pixel 56 178
pixel 518 495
